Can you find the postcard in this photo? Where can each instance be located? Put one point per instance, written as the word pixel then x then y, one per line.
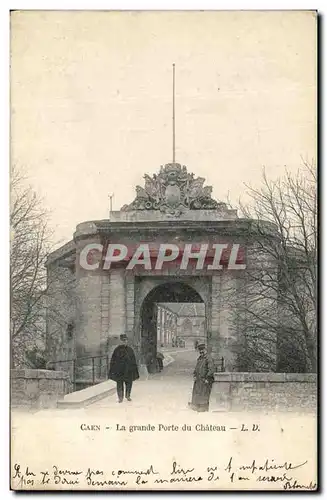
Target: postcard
pixel 163 185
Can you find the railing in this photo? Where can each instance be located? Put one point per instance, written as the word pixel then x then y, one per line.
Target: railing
pixel 220 367
pixel 82 372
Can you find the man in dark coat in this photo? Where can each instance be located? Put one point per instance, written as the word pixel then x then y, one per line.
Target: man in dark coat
pixel 123 369
pixel 203 380
pixel 160 358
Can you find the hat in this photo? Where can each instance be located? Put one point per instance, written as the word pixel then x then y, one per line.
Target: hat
pixel 123 336
pixel 201 346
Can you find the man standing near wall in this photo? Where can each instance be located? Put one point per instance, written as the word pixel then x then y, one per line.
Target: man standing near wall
pixel 123 369
pixel 203 380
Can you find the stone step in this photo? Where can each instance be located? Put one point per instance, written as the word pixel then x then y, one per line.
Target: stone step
pixel 85 397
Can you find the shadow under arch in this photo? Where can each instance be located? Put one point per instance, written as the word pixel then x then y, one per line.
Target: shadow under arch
pixel 174 291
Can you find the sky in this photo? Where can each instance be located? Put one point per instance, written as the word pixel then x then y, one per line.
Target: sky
pixel 91 102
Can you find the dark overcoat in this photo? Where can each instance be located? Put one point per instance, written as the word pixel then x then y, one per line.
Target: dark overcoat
pixel 203 380
pixel 123 366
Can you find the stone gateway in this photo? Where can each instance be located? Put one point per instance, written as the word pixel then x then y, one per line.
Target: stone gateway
pixel 195 238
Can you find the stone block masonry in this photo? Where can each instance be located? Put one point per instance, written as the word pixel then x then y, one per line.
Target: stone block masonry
pixel 266 392
pixel 38 388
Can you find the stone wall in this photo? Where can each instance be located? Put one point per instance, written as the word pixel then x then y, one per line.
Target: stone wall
pixel 38 388
pixel 264 392
pixel 61 312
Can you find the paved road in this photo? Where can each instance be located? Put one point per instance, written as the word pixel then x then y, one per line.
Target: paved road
pixel 183 365
pixel 169 390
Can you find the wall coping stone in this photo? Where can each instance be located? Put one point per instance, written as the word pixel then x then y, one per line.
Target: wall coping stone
pixel 87 396
pixel 30 373
pixel 265 377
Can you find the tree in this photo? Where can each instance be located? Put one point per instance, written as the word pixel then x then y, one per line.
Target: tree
pixel 34 294
pixel 30 246
pixel 279 289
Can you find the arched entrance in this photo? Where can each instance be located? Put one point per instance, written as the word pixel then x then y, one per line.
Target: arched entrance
pixel 168 292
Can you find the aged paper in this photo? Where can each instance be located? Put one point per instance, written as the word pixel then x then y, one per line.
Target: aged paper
pixel 163 333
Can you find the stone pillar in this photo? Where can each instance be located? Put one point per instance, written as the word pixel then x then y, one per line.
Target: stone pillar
pixel 89 324
pixel 222 326
pixel 88 298
pixel 174 334
pixel 130 310
pixel 164 336
pixel 117 303
pixel 159 325
pixel 88 305
pixel 170 329
pixel 104 308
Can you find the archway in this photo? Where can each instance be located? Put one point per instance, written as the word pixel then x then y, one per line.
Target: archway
pixel 169 292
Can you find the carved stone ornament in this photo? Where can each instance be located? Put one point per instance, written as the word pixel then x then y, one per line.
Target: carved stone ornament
pixel 173 191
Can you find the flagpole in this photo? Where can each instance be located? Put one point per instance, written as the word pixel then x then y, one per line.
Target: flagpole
pixel 174 113
pixel 110 203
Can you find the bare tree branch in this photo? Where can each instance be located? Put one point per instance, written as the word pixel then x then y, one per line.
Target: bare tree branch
pixel 31 243
pixel 284 278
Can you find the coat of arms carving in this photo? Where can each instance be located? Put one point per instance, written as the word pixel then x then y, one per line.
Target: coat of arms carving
pixel 173 191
